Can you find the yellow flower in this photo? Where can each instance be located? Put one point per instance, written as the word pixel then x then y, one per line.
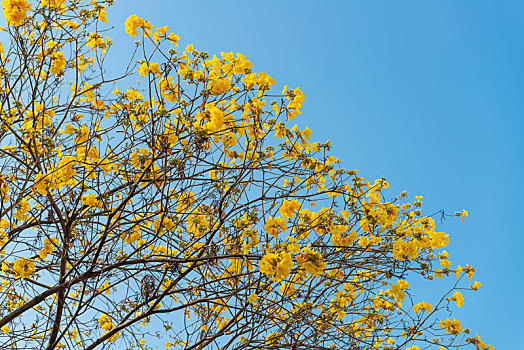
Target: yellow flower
pixel 278 266
pixel 476 285
pixel 160 33
pixel 452 327
pixel 146 68
pixel 288 208
pixel 229 139
pixel 15 11
pixel 102 16
pixel 66 171
pixel 132 23
pixel 173 38
pixel 48 247
pixel 5 329
pixel 397 290
pixel 462 215
pixel 167 91
pixel 459 298
pixel 252 298
pixel 24 207
pixel 311 261
pixel 133 236
pixel 363 241
pixel 216 119
pixel 274 226
pixel 91 201
pixel 42 183
pixel 24 267
pixel 422 306
pixel 185 201
pixel 105 322
pixel 59 63
pixel 219 86
pixel 338 240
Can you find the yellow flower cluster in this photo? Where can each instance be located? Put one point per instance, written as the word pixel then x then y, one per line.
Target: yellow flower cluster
pixel 66 171
pixel 216 118
pixel 96 41
pixel 219 86
pixel 132 23
pixel 24 267
pixel 253 298
pixel 397 290
pixel 106 323
pixel 289 208
pixel 297 98
pixel 91 201
pixel 410 247
pixel 23 208
pixel 59 62
pixel 15 11
pixel 48 247
pixel 148 67
pixel 452 327
pixel 277 266
pixel 311 261
pixel 458 298
pixel 422 306
pixel 162 223
pixel 197 223
pixel 476 285
pixel 274 226
pixel 185 201
pixel 339 239
pixel 479 343
pixel 402 249
pixel 132 236
pixel 167 91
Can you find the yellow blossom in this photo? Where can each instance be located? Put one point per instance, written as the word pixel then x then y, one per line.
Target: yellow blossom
pixel 311 261
pixel 476 285
pixel 289 208
pixel 132 23
pixel 274 226
pixel 59 63
pixel 24 267
pixel 422 306
pixel 173 38
pixel 252 298
pixel 458 297
pixel 91 201
pixel 48 247
pixel 277 266
pixel 452 327
pixel 15 11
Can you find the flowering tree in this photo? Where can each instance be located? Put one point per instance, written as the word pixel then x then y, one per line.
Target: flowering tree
pixel 187 209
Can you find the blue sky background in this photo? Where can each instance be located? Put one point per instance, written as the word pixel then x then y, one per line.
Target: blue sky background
pixel 425 93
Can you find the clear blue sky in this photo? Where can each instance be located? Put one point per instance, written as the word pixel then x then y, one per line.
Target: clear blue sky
pixel 428 94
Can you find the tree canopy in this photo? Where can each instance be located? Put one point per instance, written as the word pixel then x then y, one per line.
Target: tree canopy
pixel 173 202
